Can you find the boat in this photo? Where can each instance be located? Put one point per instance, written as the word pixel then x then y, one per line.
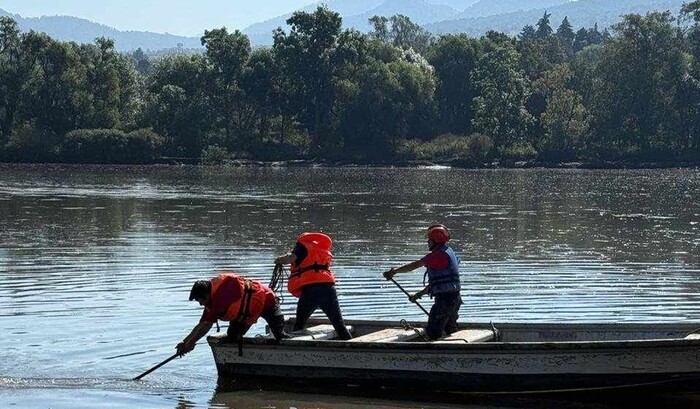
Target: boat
pixel 484 358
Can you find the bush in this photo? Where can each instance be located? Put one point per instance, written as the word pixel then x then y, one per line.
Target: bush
pixel 446 147
pixel 111 146
pixel 28 143
pixel 520 150
pixel 214 155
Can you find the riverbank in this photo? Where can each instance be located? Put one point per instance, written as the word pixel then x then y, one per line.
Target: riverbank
pixel 457 163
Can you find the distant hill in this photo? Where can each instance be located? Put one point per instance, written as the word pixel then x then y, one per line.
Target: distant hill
pixel 483 8
pixel 67 28
pixel 581 13
pixel 458 5
pixel 356 14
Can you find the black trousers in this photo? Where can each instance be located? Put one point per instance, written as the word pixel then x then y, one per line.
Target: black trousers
pixel 274 318
pixel 324 296
pixel 443 315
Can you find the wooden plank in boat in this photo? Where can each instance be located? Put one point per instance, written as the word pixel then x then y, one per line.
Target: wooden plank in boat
pixel 468 336
pixel 391 335
pixel 316 333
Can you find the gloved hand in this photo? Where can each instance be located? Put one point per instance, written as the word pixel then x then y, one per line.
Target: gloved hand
pixel 390 274
pixel 183 348
pixel 415 297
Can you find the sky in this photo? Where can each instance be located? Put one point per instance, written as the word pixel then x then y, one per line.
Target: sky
pixel 181 17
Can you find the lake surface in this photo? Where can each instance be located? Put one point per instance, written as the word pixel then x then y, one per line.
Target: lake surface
pixel 96 262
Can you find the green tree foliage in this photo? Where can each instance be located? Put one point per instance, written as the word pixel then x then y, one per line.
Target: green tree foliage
pixel 639 105
pixel 178 105
pixel 400 31
pixel 454 58
pixel 110 146
pixel 544 29
pixel 325 92
pixel 227 53
pixel 312 56
pixel 565 121
pixel 500 105
pixel 566 36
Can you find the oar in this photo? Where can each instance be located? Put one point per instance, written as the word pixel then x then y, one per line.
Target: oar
pixel 175 355
pixel 409 295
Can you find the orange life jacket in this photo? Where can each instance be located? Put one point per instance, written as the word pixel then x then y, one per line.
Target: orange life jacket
pixel 315 268
pixel 249 306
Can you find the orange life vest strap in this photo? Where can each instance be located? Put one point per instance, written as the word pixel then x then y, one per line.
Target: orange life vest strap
pixel 244 311
pixel 314 266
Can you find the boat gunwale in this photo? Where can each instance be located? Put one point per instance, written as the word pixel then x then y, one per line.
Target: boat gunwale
pixel 216 341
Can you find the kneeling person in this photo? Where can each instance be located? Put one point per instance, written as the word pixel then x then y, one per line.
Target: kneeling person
pixel 230 297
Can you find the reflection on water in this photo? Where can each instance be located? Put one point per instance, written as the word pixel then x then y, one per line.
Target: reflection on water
pixel 96 263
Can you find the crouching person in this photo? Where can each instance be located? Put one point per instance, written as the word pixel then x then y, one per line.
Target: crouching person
pixel 230 297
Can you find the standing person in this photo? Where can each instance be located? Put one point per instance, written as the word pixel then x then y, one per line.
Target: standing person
pixel 230 297
pixel 312 281
pixel 442 270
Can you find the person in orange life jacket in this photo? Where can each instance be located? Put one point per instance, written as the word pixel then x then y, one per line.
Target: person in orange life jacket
pixel 443 282
pixel 312 281
pixel 230 297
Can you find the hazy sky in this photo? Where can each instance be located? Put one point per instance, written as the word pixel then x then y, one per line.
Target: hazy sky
pixel 183 17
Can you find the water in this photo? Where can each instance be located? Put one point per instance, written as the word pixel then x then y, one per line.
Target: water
pixel 96 262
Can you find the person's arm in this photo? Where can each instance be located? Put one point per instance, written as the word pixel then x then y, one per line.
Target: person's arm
pixel 190 340
pixel 404 269
pixel 419 294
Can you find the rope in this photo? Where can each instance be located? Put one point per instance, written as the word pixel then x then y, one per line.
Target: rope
pixel 277 281
pixel 408 326
pixel 692 332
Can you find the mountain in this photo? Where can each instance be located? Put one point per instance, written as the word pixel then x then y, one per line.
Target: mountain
pixel 581 13
pixel 485 8
pixel 356 13
pixel 420 11
pixel 67 28
pixel 458 5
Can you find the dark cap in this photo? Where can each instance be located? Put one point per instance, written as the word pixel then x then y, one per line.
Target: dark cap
pixel 200 289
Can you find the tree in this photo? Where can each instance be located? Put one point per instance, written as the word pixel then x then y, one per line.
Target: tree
pixel 400 31
pixel 178 105
pixel 262 90
pixel 12 75
pixel 565 121
pixel 312 55
pixel 639 106
pixel 380 26
pixel 499 106
pixel 528 34
pixel 227 53
pixel 454 57
pixel 544 29
pixel 566 37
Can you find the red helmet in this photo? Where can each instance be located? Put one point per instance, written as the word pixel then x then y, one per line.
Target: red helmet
pixel 438 233
pixel 318 239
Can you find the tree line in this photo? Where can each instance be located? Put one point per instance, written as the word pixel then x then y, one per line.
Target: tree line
pixel 397 93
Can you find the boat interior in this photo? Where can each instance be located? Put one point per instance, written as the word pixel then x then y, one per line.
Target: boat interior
pixel 403 331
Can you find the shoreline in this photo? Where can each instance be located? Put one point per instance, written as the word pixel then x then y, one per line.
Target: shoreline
pixel 454 164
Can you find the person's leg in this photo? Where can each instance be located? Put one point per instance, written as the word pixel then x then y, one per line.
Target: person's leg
pixel 331 307
pixel 453 315
pixel 439 314
pixel 275 320
pixel 305 307
pixel 236 330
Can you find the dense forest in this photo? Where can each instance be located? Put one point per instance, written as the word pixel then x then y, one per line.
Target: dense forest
pixel 550 94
